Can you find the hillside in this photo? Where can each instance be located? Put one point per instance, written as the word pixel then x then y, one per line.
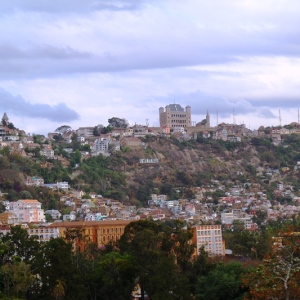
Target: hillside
pixel 181 165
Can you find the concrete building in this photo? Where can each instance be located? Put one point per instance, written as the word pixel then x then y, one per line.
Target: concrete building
pixel 175 116
pixel 8 218
pixel 27 211
pixel 86 132
pixel 43 233
pixel 209 236
pixel 101 145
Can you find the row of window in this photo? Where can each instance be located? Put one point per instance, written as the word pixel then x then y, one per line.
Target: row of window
pixel 178 115
pixel 208 232
pixel 107 230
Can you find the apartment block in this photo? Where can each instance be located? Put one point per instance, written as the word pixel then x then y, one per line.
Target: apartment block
pixel 27 211
pixel 209 236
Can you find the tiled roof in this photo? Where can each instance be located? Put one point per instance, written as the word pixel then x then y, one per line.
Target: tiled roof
pixel 176 107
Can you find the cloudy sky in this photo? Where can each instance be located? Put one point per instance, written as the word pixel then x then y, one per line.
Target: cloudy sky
pixel 81 62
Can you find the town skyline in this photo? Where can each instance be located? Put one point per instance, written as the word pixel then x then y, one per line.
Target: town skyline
pixel 215 121
pixel 83 64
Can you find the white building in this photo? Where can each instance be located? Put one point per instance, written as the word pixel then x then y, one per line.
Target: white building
pixel 27 211
pixel 43 233
pixel 101 145
pixel 209 236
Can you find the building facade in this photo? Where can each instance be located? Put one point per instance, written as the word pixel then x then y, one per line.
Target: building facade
pixel 209 237
pixel 174 115
pixel 97 232
pixel 27 211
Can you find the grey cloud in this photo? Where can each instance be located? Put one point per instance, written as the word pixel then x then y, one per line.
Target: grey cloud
pixel 277 102
pixel 19 106
pixel 66 6
pixel 170 46
pixel 201 103
pixel 11 52
pixel 48 61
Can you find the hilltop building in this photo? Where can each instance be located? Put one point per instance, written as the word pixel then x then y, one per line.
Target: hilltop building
pixel 205 123
pixel 174 115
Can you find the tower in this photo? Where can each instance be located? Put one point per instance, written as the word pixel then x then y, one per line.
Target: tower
pixel 207 120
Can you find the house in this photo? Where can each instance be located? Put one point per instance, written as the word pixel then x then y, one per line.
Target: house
pixel 34 181
pixel 47 151
pixel 166 129
pixel 86 132
pixel 64 185
pixel 8 218
pixel 31 146
pixel 53 213
pixel 131 142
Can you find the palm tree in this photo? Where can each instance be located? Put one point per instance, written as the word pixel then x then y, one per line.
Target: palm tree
pixel 59 290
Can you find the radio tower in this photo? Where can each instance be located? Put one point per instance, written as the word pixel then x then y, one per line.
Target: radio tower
pixel 217 118
pixel 298 117
pixel 233 117
pixel 280 118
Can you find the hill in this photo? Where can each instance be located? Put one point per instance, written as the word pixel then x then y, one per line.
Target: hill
pixel 181 166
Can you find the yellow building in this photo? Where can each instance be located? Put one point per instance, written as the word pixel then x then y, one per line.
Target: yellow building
pixel 97 232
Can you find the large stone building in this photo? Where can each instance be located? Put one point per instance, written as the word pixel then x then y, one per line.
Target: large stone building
pixel 175 116
pixel 98 232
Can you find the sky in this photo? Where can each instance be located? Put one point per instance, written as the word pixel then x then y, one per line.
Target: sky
pixel 81 62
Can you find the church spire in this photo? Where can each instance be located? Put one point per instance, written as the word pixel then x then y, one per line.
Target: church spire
pixel 207 120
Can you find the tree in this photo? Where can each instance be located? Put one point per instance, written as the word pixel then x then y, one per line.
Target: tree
pixel 57 269
pixel 260 218
pixel 118 122
pixel 278 276
pixel 59 290
pixel 21 246
pixel 222 282
pixel 75 158
pixel 63 129
pixel 17 278
pixel 5 151
pixel 154 248
pixel 113 276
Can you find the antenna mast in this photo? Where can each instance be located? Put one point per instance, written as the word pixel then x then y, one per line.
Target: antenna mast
pixel 298 117
pixel 217 118
pixel 280 118
pixel 233 117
